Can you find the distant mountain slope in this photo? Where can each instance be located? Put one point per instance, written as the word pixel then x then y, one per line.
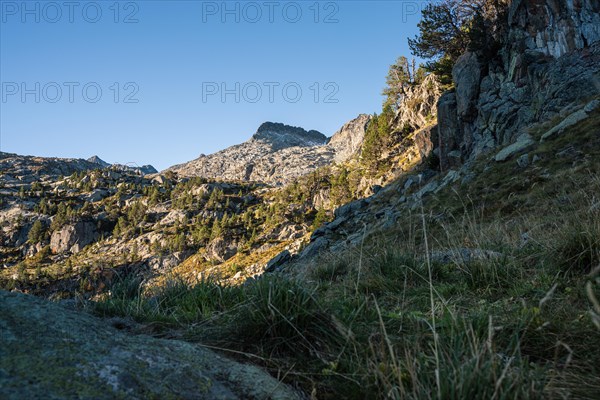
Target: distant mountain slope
pixel 278 153
pixel 28 169
pixel 143 170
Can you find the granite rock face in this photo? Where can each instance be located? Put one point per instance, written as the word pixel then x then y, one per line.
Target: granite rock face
pixel 50 352
pixel 348 141
pixel 549 62
pixel 419 107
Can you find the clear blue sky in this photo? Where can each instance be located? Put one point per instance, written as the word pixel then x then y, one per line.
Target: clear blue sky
pixel 172 57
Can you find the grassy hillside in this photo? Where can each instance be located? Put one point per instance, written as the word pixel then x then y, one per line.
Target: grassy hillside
pixel 487 290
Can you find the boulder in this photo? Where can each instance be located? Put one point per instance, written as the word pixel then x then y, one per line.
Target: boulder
pixel 523 142
pixel 523 161
pixel 315 248
pixel 160 179
pixel 335 224
pixel 220 250
pixel 429 188
pixel 172 218
pixel 451 177
pixel 571 120
pixel 449 134
pixel 97 195
pixel 73 237
pixel 347 210
pixel 51 352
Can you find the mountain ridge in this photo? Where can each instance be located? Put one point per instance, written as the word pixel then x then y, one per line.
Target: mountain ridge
pixel 276 154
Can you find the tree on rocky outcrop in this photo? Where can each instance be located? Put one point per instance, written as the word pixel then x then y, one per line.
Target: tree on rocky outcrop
pixel 378 139
pixel 45 207
pixel 64 213
pixel 451 27
pixel 121 227
pixel 215 199
pixel 402 75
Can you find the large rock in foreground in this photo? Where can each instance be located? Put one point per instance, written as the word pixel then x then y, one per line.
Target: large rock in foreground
pixel 47 351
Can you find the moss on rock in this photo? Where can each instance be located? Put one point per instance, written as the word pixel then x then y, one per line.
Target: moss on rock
pixel 47 351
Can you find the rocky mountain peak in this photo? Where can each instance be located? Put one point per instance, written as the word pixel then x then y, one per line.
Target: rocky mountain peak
pixel 280 136
pixel 348 140
pixel 277 153
pixel 99 161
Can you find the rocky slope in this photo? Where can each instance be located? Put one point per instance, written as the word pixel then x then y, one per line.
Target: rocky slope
pixel 75 234
pixel 47 351
pixel 64 234
pixel 277 153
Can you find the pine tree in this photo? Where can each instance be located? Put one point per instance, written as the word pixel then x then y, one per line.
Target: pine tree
pixel 37 233
pixel 216 230
pixel 340 187
pixel 451 27
pixel 320 218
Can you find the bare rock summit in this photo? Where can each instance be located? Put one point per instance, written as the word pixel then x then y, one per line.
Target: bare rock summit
pixel 278 153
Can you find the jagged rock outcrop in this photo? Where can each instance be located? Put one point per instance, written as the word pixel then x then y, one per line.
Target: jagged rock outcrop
pixel 349 139
pixel 280 136
pixel 553 27
pixel 467 71
pixel 47 351
pixel 73 237
pixel 549 62
pixel 415 134
pixel 419 105
pixel 276 154
pixel 143 170
pixel 449 133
